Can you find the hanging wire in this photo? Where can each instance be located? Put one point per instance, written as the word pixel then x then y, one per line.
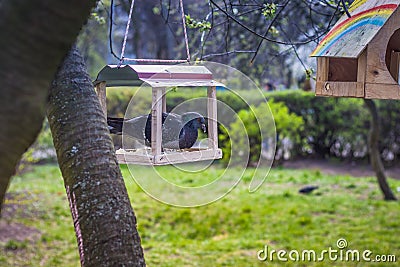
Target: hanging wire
pixel 184 31
pixel 122 57
pixel 128 24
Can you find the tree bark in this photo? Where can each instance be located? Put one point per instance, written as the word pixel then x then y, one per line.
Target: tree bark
pixel 374 154
pixel 103 218
pixel 35 36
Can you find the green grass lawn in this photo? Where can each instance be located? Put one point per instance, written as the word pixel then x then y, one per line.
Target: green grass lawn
pixel 228 232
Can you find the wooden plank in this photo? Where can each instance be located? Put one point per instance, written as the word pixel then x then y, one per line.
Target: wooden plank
pixel 187 156
pixel 394 65
pixel 382 91
pixel 362 67
pixel 361 73
pixel 319 89
pixel 360 91
pixel 212 117
pixel 128 158
pixel 322 69
pixel 156 117
pixel 343 89
pixel 124 157
pixel 322 74
pixel 101 94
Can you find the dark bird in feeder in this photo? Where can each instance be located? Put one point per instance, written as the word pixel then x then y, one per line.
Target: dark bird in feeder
pixel 308 189
pixel 178 131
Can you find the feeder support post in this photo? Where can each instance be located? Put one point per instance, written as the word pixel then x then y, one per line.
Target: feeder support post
pixel 164 100
pixel 101 94
pixel 156 120
pixel 212 117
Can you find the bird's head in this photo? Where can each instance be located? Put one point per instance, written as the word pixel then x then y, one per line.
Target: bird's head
pixel 195 119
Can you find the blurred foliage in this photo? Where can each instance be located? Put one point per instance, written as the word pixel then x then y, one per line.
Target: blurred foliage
pixel 92 41
pixel 196 24
pixel 269 10
pixel 287 124
pixel 41 151
pixel 118 100
pixel 333 126
pixel 259 128
pixel 246 117
pixel 289 129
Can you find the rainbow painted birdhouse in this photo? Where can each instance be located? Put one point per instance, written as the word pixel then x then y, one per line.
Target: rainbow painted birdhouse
pixel 360 55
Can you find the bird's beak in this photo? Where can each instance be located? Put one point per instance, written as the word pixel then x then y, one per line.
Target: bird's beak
pixel 203 127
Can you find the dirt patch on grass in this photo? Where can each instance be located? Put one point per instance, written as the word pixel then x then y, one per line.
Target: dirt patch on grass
pixel 17 205
pixel 17 231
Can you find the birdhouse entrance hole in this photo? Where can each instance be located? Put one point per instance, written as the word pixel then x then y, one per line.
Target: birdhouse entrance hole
pixel 161 77
pixel 392 57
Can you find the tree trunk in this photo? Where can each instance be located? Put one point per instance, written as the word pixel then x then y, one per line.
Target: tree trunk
pixel 103 218
pixel 374 155
pixel 35 36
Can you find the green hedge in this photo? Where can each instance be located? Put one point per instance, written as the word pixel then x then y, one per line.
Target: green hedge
pixel 333 126
pixel 258 126
pixel 338 127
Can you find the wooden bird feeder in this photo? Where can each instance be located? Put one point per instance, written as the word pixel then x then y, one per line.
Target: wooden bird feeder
pixel 160 77
pixel 360 55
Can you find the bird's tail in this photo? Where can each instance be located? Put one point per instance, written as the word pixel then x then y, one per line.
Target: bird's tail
pixel 115 125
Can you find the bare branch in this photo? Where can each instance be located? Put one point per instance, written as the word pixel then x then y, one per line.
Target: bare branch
pixel 261 36
pixel 268 29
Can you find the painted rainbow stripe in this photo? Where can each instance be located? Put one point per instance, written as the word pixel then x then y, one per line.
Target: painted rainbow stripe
pixel 376 16
pixel 356 4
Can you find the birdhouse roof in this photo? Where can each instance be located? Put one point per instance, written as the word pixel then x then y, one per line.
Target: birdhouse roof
pixel 350 35
pixel 156 75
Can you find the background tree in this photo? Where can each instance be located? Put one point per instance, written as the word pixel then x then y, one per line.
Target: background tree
pixel 373 146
